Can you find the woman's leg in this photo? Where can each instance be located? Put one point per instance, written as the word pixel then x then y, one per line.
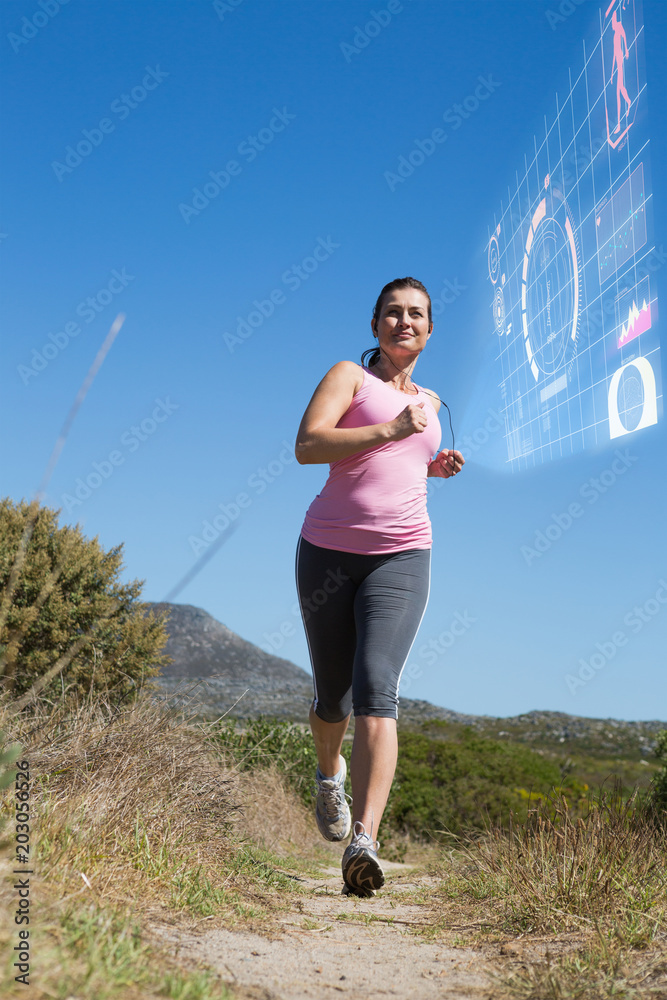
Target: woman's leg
pixel 326 598
pixel 328 738
pixel 374 755
pixel 389 607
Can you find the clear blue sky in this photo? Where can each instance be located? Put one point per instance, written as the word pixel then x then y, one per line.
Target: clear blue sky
pixel 300 130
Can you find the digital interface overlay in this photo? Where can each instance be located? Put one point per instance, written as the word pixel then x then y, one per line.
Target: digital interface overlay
pixel 571 264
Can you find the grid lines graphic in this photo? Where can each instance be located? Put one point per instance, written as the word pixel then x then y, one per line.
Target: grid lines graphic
pixel 571 262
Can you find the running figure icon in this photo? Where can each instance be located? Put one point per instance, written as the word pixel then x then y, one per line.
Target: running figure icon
pixel 620 43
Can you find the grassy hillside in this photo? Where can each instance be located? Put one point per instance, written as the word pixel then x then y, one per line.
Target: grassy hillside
pixel 602 751
pixel 450 779
pixel 141 818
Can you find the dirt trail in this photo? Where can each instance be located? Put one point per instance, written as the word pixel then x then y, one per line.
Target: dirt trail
pixel 331 945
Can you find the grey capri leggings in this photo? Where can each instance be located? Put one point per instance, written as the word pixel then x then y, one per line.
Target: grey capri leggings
pixel 361 614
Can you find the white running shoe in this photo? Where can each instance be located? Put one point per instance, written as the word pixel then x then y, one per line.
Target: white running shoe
pixel 362 872
pixel 331 809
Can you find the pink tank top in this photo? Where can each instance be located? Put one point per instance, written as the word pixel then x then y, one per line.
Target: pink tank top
pixel 375 501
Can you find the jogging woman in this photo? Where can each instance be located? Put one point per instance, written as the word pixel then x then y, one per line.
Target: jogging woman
pixel 363 563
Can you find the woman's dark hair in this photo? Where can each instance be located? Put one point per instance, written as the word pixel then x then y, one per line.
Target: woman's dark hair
pixel 374 352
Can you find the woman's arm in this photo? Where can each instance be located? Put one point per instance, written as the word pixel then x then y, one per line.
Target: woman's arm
pixel 319 440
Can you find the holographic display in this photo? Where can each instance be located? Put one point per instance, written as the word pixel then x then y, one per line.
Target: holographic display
pixel 574 311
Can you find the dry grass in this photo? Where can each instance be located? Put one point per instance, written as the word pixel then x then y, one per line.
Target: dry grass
pixel 599 880
pixel 272 814
pixel 134 815
pixel 113 791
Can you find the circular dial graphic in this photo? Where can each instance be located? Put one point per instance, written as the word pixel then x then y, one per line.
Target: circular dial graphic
pixel 494 258
pixel 550 286
pixel 499 310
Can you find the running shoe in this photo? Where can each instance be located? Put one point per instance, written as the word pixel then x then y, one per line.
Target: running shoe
pixel 362 873
pixel 331 809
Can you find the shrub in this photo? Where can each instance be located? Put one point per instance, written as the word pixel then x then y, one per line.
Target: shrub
pixel 66 622
pixel 262 742
pixel 658 793
pixel 454 786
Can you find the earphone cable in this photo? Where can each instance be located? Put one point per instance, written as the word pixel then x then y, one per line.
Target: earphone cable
pixel 426 393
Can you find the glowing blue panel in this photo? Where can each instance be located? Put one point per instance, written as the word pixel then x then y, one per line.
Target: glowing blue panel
pixel 570 259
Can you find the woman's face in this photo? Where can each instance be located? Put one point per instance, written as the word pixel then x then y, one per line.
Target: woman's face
pixel 403 324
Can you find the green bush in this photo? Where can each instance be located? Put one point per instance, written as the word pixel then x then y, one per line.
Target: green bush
pixel 456 786
pixel 63 604
pixel 262 741
pixel 658 793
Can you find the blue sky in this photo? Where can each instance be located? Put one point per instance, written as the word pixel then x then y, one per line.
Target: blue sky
pixel 237 301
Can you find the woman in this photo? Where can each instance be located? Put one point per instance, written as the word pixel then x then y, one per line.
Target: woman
pixel 363 563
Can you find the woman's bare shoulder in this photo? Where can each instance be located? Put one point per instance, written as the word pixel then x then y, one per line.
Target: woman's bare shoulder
pixel 434 398
pixel 347 373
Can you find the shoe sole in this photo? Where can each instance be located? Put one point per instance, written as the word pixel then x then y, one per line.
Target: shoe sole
pixel 363 873
pixel 349 890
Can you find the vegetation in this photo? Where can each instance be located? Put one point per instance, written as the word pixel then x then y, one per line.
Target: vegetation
pixel 459 786
pixel 602 875
pixel 133 811
pixel 264 743
pixel 66 622
pixel 140 812
pixel 659 785
pixel 441 787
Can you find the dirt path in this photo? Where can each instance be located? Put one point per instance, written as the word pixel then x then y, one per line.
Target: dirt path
pixel 331 945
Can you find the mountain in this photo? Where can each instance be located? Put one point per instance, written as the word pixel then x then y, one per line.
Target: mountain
pixel 216 672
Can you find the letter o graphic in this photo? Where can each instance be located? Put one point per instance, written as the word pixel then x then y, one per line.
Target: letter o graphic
pixel 50 348
pixel 416 163
pixel 84 152
pixel 467 104
pixel 376 29
pixel 211 190
pixel 259 319
pixel 148 425
pixel 306 262
pixel 654 606
pixel 94 480
pixel 275 467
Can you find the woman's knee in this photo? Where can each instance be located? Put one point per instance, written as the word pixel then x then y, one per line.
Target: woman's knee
pixel 332 711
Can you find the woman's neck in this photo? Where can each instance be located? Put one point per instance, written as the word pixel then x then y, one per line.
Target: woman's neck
pixel 389 371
